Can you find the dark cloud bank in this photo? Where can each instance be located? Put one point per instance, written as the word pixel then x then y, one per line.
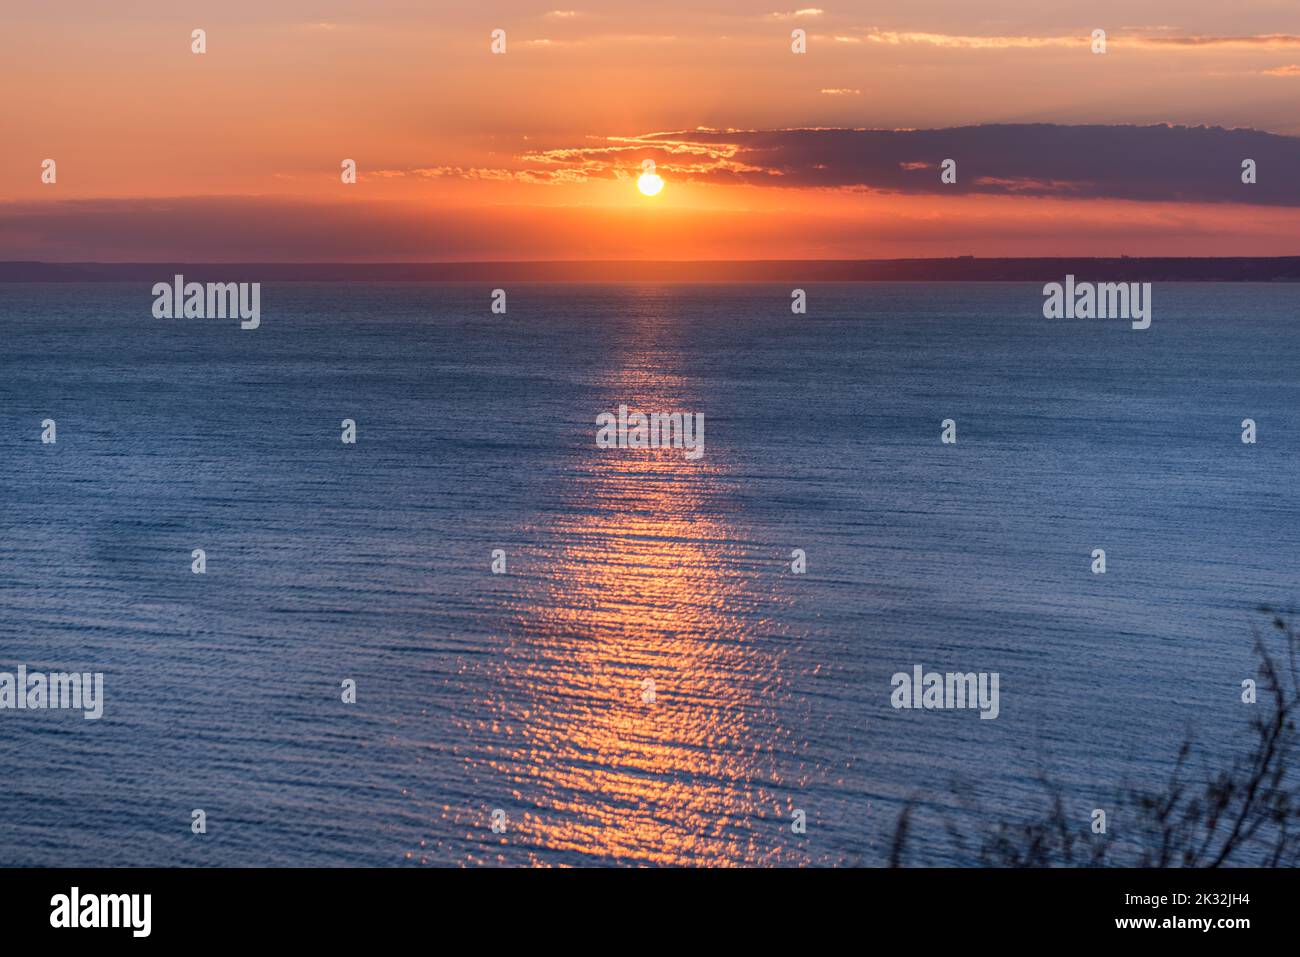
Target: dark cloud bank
pixel 1150 163
pixel 1156 164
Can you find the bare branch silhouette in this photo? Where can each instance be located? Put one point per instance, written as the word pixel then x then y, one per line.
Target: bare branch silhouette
pixel 1246 812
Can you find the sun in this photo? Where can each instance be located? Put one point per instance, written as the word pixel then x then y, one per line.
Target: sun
pixel 650 183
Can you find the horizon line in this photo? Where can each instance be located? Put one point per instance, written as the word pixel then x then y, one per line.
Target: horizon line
pixel 965 268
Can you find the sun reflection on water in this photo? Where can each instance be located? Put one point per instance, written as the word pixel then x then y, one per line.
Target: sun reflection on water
pixel 645 579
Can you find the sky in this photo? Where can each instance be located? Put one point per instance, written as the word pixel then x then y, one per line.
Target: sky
pixel 235 154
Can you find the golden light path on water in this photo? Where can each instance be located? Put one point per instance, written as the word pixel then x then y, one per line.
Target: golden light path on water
pixel 644 579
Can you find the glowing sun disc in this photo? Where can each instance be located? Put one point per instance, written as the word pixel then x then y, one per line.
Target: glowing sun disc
pixel 650 183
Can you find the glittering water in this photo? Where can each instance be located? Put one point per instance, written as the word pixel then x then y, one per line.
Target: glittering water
pixel 525 691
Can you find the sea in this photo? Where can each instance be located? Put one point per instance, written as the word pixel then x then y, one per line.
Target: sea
pixel 474 637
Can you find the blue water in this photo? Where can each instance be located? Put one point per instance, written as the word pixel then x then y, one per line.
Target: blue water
pixel 524 692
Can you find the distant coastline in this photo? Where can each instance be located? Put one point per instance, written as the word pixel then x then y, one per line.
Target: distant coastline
pixel 960 269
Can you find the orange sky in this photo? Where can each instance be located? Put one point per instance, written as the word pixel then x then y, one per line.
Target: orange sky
pixel 462 154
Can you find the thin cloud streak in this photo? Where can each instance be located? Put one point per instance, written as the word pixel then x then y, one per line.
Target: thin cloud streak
pixel 1118 40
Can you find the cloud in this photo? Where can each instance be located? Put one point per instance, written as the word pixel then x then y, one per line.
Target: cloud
pixel 1120 39
pixel 1272 40
pixel 266 229
pixel 544 177
pixel 896 38
pixel 1161 163
pixel 797 14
